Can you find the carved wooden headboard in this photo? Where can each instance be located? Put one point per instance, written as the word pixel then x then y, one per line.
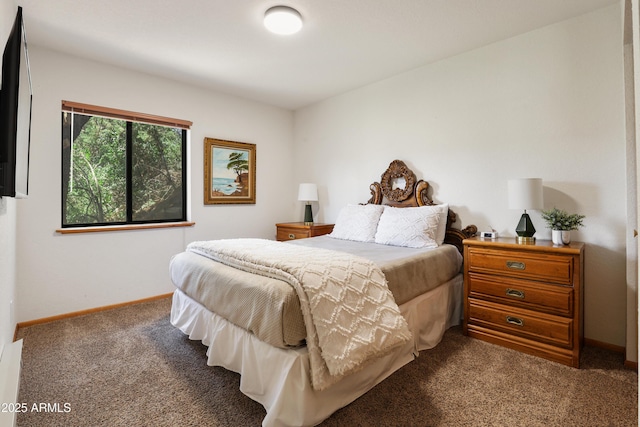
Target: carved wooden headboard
pixel 399 187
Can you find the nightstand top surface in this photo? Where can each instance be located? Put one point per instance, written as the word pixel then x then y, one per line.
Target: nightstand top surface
pixel 301 225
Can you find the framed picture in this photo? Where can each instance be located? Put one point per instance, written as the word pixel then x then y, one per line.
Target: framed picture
pixel 229 172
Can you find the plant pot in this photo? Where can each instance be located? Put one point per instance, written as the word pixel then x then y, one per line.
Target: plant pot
pixel 561 237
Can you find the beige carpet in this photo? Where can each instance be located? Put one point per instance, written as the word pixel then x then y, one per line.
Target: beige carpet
pixel 130 367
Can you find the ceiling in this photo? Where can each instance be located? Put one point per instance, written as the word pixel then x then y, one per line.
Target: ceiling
pixel 344 44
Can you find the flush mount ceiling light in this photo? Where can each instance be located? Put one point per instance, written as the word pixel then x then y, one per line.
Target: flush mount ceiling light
pixel 282 20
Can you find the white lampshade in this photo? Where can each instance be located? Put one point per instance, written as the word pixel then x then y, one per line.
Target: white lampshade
pixel 308 193
pixel 282 20
pixel 525 193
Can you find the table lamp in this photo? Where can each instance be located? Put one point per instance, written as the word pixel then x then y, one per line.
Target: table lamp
pixel 525 193
pixel 308 193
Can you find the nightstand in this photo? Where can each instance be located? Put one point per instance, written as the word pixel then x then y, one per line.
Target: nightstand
pixel 527 297
pixel 298 230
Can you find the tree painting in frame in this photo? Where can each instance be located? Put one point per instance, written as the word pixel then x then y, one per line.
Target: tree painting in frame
pixel 229 172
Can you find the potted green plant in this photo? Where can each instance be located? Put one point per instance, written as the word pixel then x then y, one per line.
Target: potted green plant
pixel 561 223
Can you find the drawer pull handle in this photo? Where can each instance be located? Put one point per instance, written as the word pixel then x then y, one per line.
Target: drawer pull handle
pixel 515 293
pixel 292 236
pixel 515 321
pixel 516 265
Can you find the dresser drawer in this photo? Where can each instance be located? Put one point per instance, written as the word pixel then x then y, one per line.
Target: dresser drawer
pixel 551 329
pixel 299 230
pixel 284 234
pixel 521 293
pixel 549 268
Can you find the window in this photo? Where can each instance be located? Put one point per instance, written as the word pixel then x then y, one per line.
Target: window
pixel 120 167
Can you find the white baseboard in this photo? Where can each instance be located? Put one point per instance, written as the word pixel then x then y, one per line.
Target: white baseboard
pixel 10 364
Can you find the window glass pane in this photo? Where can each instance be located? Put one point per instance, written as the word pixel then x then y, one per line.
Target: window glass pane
pixel 118 171
pixel 94 170
pixel 156 176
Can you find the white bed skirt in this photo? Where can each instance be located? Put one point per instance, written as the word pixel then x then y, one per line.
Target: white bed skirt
pixel 278 378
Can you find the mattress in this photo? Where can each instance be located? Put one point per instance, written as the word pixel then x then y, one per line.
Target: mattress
pixel 270 308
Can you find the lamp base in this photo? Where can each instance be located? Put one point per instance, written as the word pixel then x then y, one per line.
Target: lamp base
pixel 525 230
pixel 308 215
pixel 522 240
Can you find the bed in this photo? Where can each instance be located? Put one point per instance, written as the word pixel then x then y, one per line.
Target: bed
pixel 277 321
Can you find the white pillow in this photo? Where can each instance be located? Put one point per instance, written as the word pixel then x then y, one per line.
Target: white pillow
pixel 443 212
pixel 410 227
pixel 357 222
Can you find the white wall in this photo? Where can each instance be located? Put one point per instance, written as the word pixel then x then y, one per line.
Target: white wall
pixel 59 274
pixel 7 269
pixel 8 11
pixel 545 104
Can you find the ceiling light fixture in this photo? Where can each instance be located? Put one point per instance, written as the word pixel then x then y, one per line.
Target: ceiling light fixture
pixel 282 20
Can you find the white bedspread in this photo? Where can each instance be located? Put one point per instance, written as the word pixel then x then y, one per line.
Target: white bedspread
pixel 350 314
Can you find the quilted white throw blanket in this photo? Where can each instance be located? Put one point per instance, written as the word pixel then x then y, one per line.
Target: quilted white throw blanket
pixel 349 312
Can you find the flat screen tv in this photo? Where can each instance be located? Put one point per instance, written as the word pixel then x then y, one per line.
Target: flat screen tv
pixel 15 113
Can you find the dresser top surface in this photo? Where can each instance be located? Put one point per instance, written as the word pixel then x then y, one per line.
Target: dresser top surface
pixel 538 245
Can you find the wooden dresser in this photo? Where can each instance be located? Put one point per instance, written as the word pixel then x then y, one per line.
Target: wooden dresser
pixel 527 297
pixel 298 230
